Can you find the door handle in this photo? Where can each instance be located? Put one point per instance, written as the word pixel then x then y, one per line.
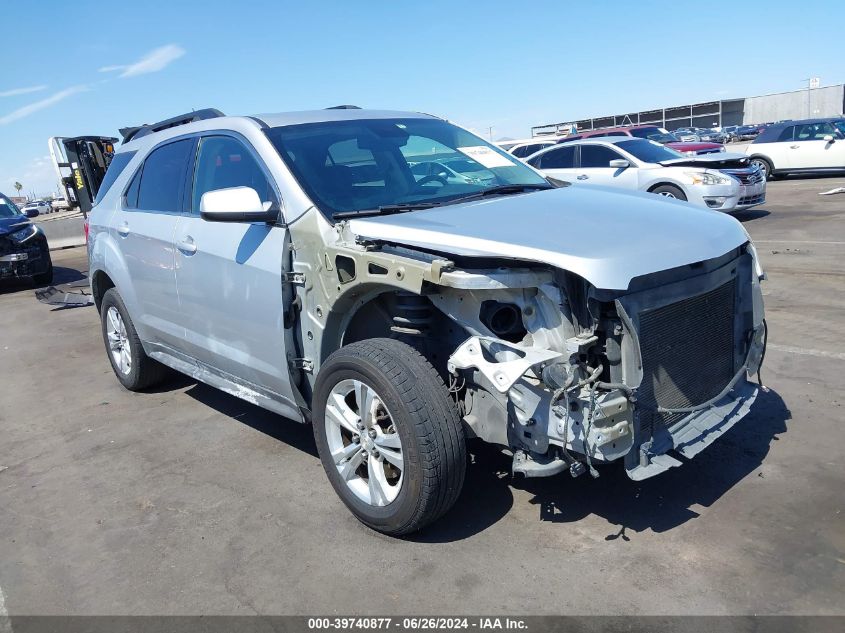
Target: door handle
pixel 582 177
pixel 794 146
pixel 187 245
pixel 123 229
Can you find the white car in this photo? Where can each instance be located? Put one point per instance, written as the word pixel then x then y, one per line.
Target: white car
pixel 813 145
pixel 39 206
pixel 59 204
pixel 725 182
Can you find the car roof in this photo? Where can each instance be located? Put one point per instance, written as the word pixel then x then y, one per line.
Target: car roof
pixel 278 119
pixel 341 114
pixel 773 131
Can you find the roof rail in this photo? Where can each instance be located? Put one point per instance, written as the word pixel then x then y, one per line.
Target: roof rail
pixel 129 133
pixel 344 107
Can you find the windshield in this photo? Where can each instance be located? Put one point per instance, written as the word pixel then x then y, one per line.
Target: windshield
pixel 654 134
pixel 8 209
pixel 648 151
pixel 840 125
pixel 358 165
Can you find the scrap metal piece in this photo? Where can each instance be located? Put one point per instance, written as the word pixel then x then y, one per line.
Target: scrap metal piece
pixel 501 362
pixel 55 297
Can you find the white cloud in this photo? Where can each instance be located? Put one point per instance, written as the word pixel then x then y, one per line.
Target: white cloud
pixel 26 110
pixel 14 92
pixel 152 62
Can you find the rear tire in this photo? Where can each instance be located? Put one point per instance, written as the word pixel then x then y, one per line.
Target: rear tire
pixel 133 368
pixel 669 191
pixel 401 466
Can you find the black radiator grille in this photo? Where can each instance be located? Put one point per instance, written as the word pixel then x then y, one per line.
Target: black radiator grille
pixel 687 350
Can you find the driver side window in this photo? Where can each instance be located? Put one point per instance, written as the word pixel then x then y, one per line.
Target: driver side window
pixel 224 162
pixel 597 156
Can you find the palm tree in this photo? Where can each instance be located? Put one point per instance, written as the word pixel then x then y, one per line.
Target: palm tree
pixel 18 186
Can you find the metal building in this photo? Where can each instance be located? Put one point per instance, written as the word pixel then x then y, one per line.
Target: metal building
pixel 797 104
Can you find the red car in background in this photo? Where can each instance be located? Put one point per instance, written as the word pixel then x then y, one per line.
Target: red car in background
pixel 651 133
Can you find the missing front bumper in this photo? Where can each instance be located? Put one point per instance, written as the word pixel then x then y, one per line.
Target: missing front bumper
pixel 690 435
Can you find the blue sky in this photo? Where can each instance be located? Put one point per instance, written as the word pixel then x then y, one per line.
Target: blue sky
pixel 83 67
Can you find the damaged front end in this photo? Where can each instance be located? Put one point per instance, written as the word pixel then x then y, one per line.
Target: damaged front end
pixel 662 368
pixel 539 360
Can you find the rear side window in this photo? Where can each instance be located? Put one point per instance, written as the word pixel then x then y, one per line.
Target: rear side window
pixel 597 156
pixel 560 158
pixel 118 164
pixel 787 133
pixel 527 150
pixel 162 177
pixel 225 162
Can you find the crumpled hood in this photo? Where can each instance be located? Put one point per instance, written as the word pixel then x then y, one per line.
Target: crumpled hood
pixel 719 160
pixel 605 236
pixel 10 225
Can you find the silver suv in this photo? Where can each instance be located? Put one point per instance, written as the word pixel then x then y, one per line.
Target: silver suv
pixel 305 263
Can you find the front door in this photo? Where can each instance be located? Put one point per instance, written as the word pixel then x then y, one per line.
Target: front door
pixel 229 274
pixel 557 163
pixel 595 169
pixel 811 150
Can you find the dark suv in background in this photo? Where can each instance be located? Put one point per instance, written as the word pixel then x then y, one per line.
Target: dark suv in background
pixel 23 246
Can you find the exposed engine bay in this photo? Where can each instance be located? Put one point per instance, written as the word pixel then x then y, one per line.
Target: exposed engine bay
pixel 562 374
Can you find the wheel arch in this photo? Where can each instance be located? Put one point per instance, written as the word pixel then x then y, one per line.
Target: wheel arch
pixel 665 182
pixel 764 158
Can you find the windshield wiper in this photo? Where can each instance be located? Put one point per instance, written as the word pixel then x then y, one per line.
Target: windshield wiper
pixel 500 190
pixel 386 209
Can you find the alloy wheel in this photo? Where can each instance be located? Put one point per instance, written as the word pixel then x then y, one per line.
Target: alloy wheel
pixel 365 446
pixel 119 348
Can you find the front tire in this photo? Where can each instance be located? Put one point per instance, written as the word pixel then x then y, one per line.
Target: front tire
pixel 45 278
pixel 763 165
pixel 669 191
pixel 389 435
pixel 133 368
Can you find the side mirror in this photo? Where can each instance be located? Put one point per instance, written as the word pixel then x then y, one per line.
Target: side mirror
pixel 828 138
pixel 619 163
pixel 236 204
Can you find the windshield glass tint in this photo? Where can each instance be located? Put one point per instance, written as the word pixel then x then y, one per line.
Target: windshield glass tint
pixel 648 151
pixel 8 209
pixel 359 165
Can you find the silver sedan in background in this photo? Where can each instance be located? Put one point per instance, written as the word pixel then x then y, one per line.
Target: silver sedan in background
pixel 724 182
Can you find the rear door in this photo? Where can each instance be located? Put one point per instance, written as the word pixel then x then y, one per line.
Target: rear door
pixel 810 150
pixel 229 275
pixel 594 168
pixel 779 151
pixel 558 163
pixel 143 227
